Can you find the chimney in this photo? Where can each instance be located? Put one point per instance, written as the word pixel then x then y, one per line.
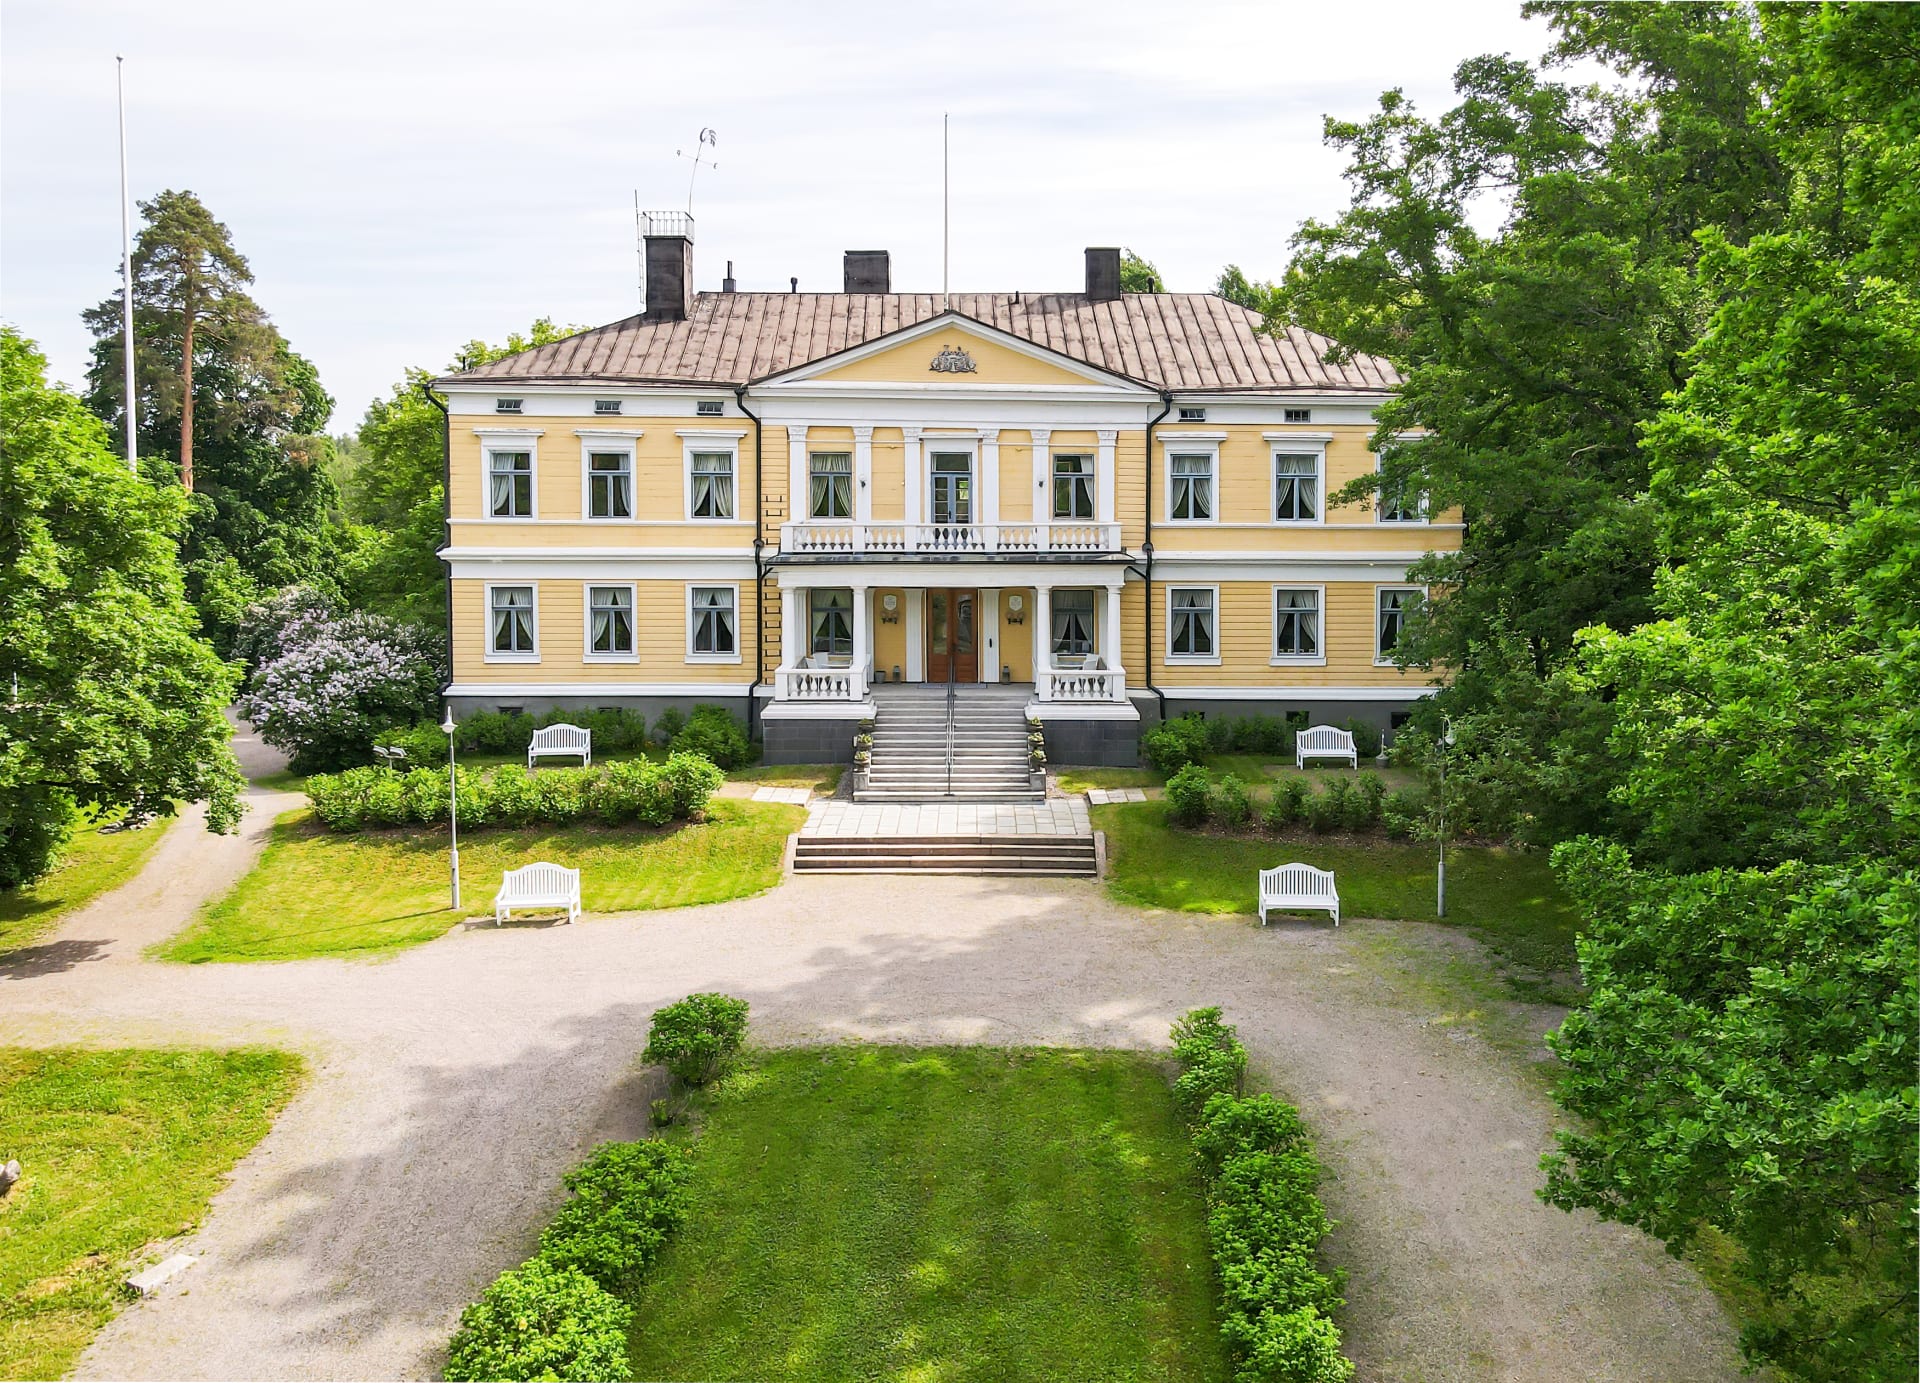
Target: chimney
pixel 1103 274
pixel 669 236
pixel 727 284
pixel 868 271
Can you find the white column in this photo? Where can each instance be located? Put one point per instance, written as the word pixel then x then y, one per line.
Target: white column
pixel 798 506
pixel 990 475
pixel 863 474
pixel 793 614
pixel 916 636
pixel 988 635
pixel 862 637
pixel 910 436
pixel 1106 481
pixel 1110 634
pixel 1042 474
pixel 1042 637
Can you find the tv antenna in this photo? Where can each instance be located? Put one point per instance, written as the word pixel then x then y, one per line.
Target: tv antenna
pixel 707 140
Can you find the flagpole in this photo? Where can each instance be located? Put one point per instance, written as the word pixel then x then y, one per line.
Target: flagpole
pixel 126 271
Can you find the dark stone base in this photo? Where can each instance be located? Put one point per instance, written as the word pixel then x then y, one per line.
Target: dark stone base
pixel 1093 743
pixel 808 741
pixel 1329 712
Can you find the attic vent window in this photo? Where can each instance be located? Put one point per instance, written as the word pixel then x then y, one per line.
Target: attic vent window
pixel 506 405
pixel 709 408
pixel 1193 415
pixel 1299 415
pixel 606 407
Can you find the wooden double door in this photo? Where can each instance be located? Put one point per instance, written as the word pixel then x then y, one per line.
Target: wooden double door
pixel 953 636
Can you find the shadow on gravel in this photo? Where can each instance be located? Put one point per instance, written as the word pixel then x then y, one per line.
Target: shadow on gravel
pixel 50 958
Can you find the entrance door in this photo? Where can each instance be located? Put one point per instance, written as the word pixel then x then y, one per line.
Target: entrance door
pixel 951 635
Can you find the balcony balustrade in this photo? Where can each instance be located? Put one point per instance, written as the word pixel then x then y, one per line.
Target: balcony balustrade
pixel 830 538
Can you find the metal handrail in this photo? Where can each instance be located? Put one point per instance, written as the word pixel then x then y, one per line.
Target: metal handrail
pixel 950 704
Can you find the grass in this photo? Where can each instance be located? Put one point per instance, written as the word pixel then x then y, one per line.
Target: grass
pixel 1507 899
pixel 119 1149
pixel 937 1214
pixel 1074 779
pixel 315 893
pixel 822 778
pixel 93 862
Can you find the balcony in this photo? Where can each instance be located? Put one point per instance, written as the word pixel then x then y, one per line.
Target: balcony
pixel 818 538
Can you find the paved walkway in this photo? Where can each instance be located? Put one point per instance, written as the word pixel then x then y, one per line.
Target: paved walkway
pixel 1100 797
pixel 453 1084
pixel 1057 816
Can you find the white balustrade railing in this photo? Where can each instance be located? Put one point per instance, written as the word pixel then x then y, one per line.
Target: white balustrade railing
pixel 1082 684
pixel 834 537
pixel 820 684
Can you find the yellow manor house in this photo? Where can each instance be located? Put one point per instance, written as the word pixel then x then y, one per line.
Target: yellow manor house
pixel 1102 506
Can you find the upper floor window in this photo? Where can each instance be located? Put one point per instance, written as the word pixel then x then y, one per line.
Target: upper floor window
pixel 1190 622
pixel 1191 479
pixel 1297 415
pixel 1392 604
pixel 830 486
pixel 1296 622
pixel 510 627
pixel 1296 487
pixel 610 621
pixel 710 408
pixel 711 630
pixel 1193 415
pixel 1072 623
pixel 952 486
pixel 506 405
pixel 610 485
pixel 606 408
pixel 510 480
pixel 1073 487
pixel 711 492
pixel 1401 503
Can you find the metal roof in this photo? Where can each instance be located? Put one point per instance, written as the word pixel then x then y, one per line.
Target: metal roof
pixel 1180 341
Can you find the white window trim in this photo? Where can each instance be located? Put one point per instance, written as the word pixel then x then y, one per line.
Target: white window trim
pixel 1380 508
pixel 494 439
pixel 1093 481
pixel 1190 446
pixel 587 588
pixel 739 633
pixel 609 442
pixel 486 629
pixel 1378 659
pixel 694 439
pixel 1275 658
pixel 1300 447
pixel 945 444
pixel 1191 659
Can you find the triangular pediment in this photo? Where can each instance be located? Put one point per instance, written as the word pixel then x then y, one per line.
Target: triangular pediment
pixel 953 350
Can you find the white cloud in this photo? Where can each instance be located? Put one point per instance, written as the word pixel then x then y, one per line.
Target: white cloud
pixel 404 177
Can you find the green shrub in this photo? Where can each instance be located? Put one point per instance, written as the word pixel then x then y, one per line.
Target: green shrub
pixel 1366 737
pixel 1261 735
pixel 426 794
pixel 1287 804
pixel 426 744
pixel 516 801
pixel 1373 791
pixel 495 732
pixel 713 731
pixel 1229 1125
pixel 615 729
pixel 539 1321
pixel 1176 744
pixel 1187 794
pixel 1215 1062
pixel 696 1037
pixel 632 790
pixel 1327 808
pixel 1229 805
pixel 627 1198
pixel 1404 813
pixel 1288 1347
pixel 691 780
pixel 1359 809
pixel 666 729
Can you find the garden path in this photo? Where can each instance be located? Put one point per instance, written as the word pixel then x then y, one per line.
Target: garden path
pixel 454 1083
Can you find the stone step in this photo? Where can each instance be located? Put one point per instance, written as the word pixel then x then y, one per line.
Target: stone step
pixel 1062 856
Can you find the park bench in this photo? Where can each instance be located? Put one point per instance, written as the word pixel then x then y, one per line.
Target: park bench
pixel 1293 887
pixel 563 740
pixel 1324 742
pixel 538 887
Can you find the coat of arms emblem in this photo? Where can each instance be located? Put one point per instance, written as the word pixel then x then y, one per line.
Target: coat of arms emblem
pixel 952 361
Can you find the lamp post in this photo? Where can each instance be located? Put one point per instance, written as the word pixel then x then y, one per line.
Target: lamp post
pixel 1446 743
pixel 453 805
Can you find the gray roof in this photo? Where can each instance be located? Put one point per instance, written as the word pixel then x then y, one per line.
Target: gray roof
pixel 1181 341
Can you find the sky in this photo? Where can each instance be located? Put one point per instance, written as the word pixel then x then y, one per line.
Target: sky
pixel 407 176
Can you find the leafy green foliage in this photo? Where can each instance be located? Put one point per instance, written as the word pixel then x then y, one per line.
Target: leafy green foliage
pixel 627 1198
pixel 1187 794
pixel 1138 276
pixel 713 731
pixel 1175 744
pixel 696 1037
pixel 539 1321
pixel 117 703
pixel 627 790
pixel 1228 805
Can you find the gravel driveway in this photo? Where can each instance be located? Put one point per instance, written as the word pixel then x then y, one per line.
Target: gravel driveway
pixel 454 1083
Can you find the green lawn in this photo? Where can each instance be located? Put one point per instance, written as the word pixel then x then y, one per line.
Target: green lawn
pixel 319 894
pixel 822 778
pixel 1072 778
pixel 119 1149
pixel 1508 899
pixel 94 862
pixel 937 1214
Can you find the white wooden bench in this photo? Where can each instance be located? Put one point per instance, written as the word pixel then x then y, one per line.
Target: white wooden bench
pixel 538 887
pixel 563 740
pixel 1324 742
pixel 1293 887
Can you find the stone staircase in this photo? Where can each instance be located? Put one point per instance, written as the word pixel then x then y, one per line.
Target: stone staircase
pixel 1060 856
pixel 910 746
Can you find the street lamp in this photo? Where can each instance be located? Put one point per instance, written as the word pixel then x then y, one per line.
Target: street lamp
pixel 453 805
pixel 1446 743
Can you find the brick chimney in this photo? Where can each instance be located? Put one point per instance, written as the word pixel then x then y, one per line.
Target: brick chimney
pixel 669 237
pixel 868 271
pixel 1103 273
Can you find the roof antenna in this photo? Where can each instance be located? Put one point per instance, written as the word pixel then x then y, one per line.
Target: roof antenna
pixel 707 140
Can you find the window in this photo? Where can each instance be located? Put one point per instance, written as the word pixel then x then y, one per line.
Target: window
pixel 511 479
pixel 711 630
pixel 510 621
pixel 1401 503
pixel 952 487
pixel 606 407
pixel 1392 604
pixel 1190 632
pixel 1296 622
pixel 1073 487
pixel 830 623
pixel 610 485
pixel 1073 623
pixel 1193 415
pixel 1191 477
pixel 710 408
pixel 1296 487
pixel 506 405
pixel 610 621
pixel 1297 415
pixel 830 490
pixel 711 496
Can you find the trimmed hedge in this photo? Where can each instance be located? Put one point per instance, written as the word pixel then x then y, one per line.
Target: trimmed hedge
pixel 538 1321
pixel 1357 805
pixel 629 790
pixel 627 1198
pixel 1264 1218
pixel 696 1037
